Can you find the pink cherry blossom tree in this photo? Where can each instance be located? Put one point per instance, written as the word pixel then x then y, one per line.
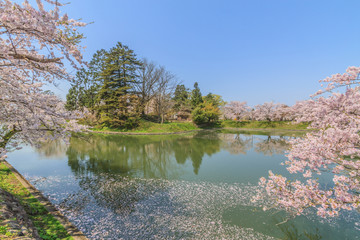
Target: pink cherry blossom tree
pixel 34 45
pixel 333 146
pixel 283 113
pixel 235 110
pixel 302 108
pixel 265 111
pixel 252 114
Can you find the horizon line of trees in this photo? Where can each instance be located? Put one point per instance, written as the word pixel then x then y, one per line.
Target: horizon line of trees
pixel 117 89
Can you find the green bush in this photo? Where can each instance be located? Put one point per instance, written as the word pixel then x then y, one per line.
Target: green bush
pixel 119 122
pixel 131 122
pixel 205 113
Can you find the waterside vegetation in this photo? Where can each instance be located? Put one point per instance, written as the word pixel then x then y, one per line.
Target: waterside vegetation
pixel 47 226
pixel 148 127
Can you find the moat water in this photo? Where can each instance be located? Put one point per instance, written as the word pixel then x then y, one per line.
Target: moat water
pixel 193 186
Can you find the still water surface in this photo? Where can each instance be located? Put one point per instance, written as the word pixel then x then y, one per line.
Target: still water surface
pixel 196 186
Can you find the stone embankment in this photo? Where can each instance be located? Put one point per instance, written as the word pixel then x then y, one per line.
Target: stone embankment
pixel 15 223
pixel 14 219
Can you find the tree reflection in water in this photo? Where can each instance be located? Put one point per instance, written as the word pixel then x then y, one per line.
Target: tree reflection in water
pixel 117 174
pixel 236 143
pixel 152 156
pixel 52 149
pixel 241 143
pixel 121 157
pixel 104 163
pixel 272 146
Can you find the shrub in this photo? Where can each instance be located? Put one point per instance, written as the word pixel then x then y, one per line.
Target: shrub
pixel 205 113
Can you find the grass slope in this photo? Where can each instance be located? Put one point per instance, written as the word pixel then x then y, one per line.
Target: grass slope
pixel 46 224
pixel 172 127
pixel 151 127
pixel 281 125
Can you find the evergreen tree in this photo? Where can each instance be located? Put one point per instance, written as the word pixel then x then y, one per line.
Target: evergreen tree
pixel 84 88
pixel 116 98
pixel 181 97
pixel 81 94
pixel 196 97
pixel 72 101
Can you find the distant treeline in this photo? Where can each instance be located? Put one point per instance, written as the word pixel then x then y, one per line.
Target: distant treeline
pixel 117 89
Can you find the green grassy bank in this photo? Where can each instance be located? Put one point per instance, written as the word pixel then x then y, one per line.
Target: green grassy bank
pixel 47 225
pixel 173 127
pixel 280 125
pixel 152 127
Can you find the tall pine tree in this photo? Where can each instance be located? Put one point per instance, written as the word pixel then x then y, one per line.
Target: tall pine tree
pixel 117 101
pixel 196 97
pixel 181 97
pixel 85 86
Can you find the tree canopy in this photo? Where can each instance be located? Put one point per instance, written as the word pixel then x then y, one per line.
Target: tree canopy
pixel 35 44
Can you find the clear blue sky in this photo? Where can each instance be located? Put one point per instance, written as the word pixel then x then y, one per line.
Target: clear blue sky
pixel 254 50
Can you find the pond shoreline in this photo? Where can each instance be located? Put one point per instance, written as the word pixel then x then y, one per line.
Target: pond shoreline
pixel 196 130
pixel 72 230
pixel 145 133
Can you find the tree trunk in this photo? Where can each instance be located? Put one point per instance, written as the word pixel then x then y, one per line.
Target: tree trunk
pixel 6 138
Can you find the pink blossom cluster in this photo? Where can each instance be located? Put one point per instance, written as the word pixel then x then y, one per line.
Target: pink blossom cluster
pixel 34 43
pixel 235 110
pixel 350 77
pixel 332 146
pixel 268 111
